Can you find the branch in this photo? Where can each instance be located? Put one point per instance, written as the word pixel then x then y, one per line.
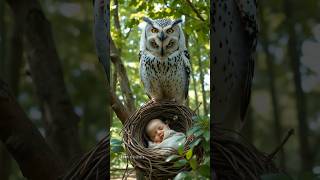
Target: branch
pixel 124 80
pixel 101 36
pixel 47 75
pixel 195 10
pixel 25 143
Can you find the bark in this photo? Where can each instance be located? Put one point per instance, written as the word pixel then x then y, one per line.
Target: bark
pixel 294 56
pixel 60 118
pixel 232 63
pixel 25 143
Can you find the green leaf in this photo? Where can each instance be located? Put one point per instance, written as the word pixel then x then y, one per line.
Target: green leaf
pixel 189 154
pixel 117 149
pixel 195 143
pixel 193 163
pixel 275 177
pixel 206 135
pixel 181 149
pixel 180 163
pixel 115 142
pixel 181 176
pixel 204 170
pixel 172 157
pixel 193 130
pixel 198 133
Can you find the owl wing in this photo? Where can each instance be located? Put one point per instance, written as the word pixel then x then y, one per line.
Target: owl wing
pixel 248 13
pixel 141 74
pixel 187 67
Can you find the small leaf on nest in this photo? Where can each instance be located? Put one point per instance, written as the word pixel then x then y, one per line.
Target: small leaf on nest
pixel 172 157
pixel 117 149
pixel 206 135
pixel 275 177
pixel 193 163
pixel 115 142
pixel 204 170
pixel 199 132
pixel 193 130
pixel 189 154
pixel 182 175
pixel 180 163
pixel 195 143
pixel 181 149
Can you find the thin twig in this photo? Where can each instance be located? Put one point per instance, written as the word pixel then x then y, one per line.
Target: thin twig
pixel 289 134
pixel 195 10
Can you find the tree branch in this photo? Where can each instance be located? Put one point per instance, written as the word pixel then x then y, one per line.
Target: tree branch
pixel 101 36
pixel 195 10
pixel 22 139
pixel 47 75
pixel 124 80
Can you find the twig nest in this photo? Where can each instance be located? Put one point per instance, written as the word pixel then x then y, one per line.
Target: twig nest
pixel 151 161
pixel 234 158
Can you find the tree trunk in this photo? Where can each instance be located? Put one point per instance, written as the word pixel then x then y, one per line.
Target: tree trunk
pixel 60 118
pixel 275 107
pixel 3 32
pixel 5 160
pixel 294 56
pixel 25 143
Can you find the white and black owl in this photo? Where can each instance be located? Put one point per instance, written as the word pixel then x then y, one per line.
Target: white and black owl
pixel 164 60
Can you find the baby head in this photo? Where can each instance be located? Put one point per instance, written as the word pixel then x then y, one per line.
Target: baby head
pixel 155 130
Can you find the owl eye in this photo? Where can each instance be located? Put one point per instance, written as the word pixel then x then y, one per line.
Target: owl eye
pixel 171 43
pixel 154 30
pixel 170 30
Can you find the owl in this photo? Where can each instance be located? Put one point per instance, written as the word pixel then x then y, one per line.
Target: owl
pixel 164 60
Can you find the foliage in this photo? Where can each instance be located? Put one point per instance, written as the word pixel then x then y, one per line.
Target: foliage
pixel 199 171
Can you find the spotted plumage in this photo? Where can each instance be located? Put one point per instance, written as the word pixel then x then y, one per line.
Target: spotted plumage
pixel 164 60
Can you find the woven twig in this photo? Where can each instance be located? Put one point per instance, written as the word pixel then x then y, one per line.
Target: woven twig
pixel 150 161
pixel 94 165
pixel 234 158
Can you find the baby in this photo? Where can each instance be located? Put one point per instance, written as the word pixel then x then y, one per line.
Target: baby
pixel 161 136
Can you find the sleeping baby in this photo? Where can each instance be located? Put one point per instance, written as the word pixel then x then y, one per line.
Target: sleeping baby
pixel 161 136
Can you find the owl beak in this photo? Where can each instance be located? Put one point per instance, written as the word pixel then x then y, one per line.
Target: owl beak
pixel 162 36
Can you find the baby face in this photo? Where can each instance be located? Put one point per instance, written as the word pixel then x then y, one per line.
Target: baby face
pixel 155 130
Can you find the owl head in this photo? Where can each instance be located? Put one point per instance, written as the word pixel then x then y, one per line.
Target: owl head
pixel 162 37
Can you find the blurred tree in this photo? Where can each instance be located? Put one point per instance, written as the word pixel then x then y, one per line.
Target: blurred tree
pixel 294 56
pixel 264 41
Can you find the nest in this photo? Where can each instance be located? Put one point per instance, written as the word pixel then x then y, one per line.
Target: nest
pixel 94 165
pixel 150 161
pixel 235 158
